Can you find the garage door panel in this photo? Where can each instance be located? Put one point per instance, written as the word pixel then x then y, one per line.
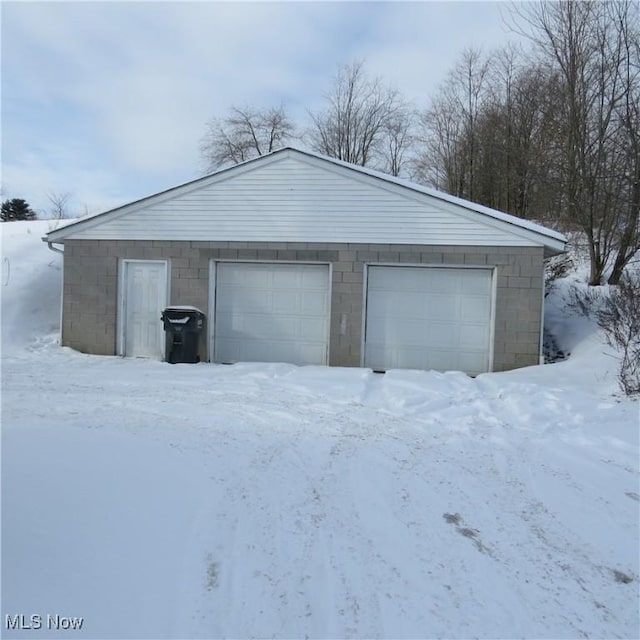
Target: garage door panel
pixel 471 361
pixel 440 307
pixel 254 300
pixel 314 278
pixel 285 279
pixel 475 308
pixel 411 359
pixel 426 317
pixel 312 326
pixel 473 337
pixel 440 360
pixel 440 335
pixel 258 350
pixel 282 302
pixel 314 303
pixel 474 282
pixel 270 312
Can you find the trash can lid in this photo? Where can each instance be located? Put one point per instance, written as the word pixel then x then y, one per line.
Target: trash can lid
pixel 183 307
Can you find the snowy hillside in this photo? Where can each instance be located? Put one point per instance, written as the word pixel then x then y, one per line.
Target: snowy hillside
pixel 207 501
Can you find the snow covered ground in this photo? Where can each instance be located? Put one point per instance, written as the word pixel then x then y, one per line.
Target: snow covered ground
pixel 268 500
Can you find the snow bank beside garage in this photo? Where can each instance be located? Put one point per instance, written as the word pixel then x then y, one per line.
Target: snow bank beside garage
pixel 31 285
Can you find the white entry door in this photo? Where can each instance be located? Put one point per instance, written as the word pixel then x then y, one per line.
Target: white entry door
pixel 428 318
pixel 145 296
pixel 270 312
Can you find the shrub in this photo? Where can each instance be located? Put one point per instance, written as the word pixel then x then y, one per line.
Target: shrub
pixel 619 317
pixel 555 268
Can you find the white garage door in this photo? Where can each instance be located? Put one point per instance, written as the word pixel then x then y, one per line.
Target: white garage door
pixel 271 313
pixel 428 318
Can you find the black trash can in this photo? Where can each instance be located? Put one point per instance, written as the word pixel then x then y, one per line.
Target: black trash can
pixel 183 326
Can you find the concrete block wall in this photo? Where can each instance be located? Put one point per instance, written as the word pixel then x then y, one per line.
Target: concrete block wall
pixel 91 287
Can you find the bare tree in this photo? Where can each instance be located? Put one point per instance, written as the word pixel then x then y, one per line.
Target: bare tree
pixel 360 112
pixel 628 20
pixel 59 205
pixel 245 133
pixel 593 45
pixel 398 140
pixel 438 160
pixel 449 128
pixel 491 135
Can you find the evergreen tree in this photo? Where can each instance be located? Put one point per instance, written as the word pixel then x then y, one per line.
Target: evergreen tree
pixel 16 209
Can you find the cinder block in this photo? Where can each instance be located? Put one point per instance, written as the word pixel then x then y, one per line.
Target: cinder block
pixel 518 282
pixel 307 256
pixel 195 284
pixel 409 257
pixel 536 283
pixel 286 254
pixel 188 252
pixel 151 253
pixel 179 263
pixel 532 270
pixel 267 254
pixel 343 287
pixel 497 259
pixel 475 258
pixel 511 269
pixel 351 276
pixel 431 258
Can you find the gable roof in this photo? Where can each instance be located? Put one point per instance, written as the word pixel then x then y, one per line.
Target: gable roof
pixel 294 195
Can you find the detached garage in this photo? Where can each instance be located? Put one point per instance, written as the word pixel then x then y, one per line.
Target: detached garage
pixel 296 257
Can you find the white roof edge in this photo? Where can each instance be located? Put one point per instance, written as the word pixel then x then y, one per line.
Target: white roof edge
pixel 555 239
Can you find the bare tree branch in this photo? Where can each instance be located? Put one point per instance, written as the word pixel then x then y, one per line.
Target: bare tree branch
pixel 244 134
pixel 360 113
pixel 59 205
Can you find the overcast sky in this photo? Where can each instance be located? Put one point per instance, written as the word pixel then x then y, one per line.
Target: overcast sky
pixel 108 101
